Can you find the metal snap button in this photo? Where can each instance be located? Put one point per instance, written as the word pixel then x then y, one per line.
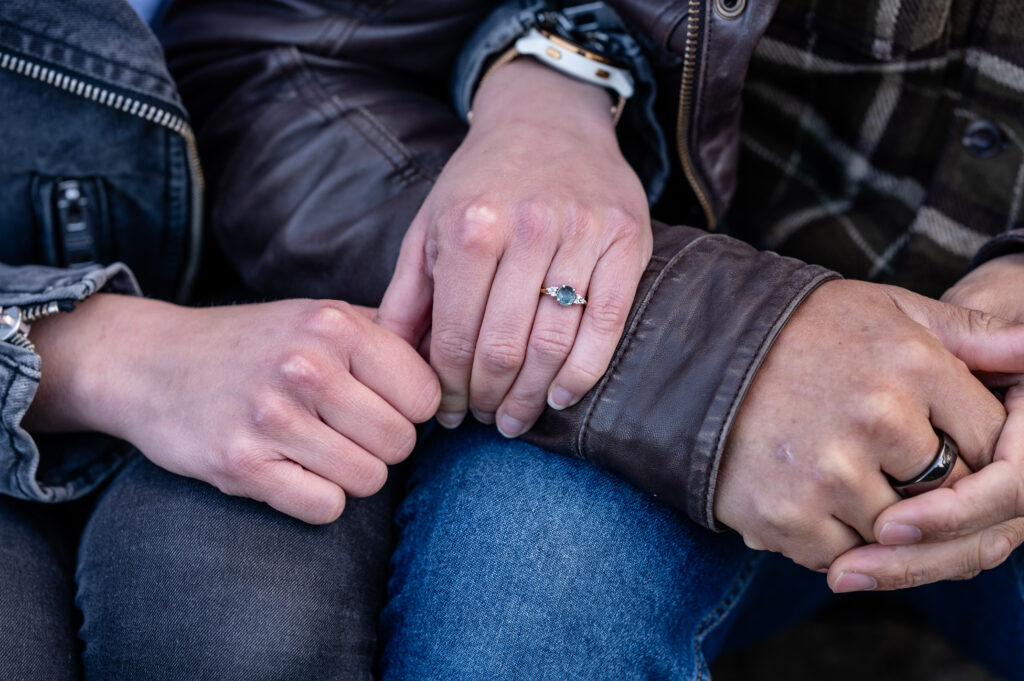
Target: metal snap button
pixel 730 9
pixel 984 139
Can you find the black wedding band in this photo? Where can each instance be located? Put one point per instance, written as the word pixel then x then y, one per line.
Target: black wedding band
pixel 936 473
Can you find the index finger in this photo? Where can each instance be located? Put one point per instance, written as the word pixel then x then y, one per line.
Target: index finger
pixel 390 367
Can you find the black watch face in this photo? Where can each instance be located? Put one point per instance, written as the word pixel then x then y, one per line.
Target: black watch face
pixel 589 25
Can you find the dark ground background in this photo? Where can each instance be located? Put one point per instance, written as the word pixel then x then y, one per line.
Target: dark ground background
pixel 852 641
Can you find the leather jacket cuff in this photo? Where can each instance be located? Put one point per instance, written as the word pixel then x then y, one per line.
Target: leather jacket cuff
pixel 51 468
pixel 706 314
pixel 640 135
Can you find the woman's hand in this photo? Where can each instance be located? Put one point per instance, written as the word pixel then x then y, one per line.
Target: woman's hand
pixel 297 403
pixel 538 195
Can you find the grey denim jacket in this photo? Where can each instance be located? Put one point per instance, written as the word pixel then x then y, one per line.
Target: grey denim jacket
pixel 98 179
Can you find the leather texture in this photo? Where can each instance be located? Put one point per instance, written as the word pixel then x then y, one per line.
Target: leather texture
pixel 323 125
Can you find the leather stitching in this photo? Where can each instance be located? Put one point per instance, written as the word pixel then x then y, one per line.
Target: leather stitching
pixel 627 340
pixel 373 131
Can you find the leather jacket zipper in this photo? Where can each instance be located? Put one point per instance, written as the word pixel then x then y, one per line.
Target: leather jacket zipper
pixel 138 108
pixel 686 92
pixel 15 322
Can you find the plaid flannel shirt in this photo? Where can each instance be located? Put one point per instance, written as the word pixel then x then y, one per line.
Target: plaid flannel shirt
pixel 883 138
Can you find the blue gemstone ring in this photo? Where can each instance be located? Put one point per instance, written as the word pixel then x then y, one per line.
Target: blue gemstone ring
pixel 565 295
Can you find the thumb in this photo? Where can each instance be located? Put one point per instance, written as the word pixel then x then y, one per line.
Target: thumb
pixel 980 340
pixel 408 300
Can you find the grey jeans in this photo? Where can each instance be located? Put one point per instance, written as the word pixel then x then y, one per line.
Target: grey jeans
pixel 174 580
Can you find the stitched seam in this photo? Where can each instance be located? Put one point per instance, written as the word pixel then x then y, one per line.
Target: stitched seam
pixel 18 368
pixel 630 335
pixel 408 169
pixel 75 48
pixel 724 607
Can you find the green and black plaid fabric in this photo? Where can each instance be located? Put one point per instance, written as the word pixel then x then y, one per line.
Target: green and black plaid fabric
pixel 883 138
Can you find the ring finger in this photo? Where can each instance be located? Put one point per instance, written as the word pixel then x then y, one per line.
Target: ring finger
pixel 551 340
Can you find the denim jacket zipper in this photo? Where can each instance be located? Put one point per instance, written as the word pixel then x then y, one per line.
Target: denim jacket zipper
pixel 140 109
pixel 15 322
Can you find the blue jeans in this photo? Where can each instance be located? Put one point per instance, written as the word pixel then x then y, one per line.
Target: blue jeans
pixel 516 563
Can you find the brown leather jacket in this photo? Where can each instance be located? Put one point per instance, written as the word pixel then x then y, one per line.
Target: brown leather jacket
pixel 323 124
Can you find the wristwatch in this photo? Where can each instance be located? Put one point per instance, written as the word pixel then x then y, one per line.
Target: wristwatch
pixel 584 40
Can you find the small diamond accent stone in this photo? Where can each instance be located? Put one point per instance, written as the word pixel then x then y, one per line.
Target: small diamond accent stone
pixel 565 295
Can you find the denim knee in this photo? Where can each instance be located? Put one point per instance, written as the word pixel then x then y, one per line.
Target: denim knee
pixel 514 562
pixel 37 614
pixel 176 580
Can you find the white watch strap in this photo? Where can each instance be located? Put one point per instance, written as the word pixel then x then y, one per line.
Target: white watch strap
pixel 562 57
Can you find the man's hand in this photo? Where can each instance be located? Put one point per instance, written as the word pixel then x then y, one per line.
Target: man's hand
pixel 538 195
pixel 852 391
pixel 977 523
pixel 296 403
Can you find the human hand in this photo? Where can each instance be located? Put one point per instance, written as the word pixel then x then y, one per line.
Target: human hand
pixel 295 403
pixel 851 391
pixel 975 524
pixel 537 195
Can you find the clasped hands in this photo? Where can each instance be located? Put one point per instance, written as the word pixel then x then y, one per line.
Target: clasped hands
pixel 539 195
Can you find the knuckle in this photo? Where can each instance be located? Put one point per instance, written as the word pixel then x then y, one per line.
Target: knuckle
pixel 240 466
pixel 502 355
pixel 523 406
pixel 995 546
pixel 326 508
pixel 426 401
pixel 980 322
pixel 332 320
pixel 608 313
pixel 551 345
pixel 916 354
pixel 400 443
pixel 625 224
pixel 369 479
pixel 838 471
pixel 474 227
pixel 532 220
pixel 269 412
pixel 913 575
pixel 452 349
pixel 579 378
pixel 300 372
pixel 782 516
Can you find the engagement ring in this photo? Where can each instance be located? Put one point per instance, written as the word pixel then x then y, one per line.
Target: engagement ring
pixel 565 295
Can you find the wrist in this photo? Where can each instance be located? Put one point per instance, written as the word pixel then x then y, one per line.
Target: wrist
pixel 526 91
pixel 93 376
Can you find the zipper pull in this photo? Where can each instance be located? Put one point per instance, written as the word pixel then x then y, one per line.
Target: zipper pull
pixel 16 322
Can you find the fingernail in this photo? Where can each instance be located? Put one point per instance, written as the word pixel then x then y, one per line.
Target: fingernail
pixel 854 581
pixel 559 398
pixel 483 416
pixel 510 427
pixel 450 419
pixel 899 533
